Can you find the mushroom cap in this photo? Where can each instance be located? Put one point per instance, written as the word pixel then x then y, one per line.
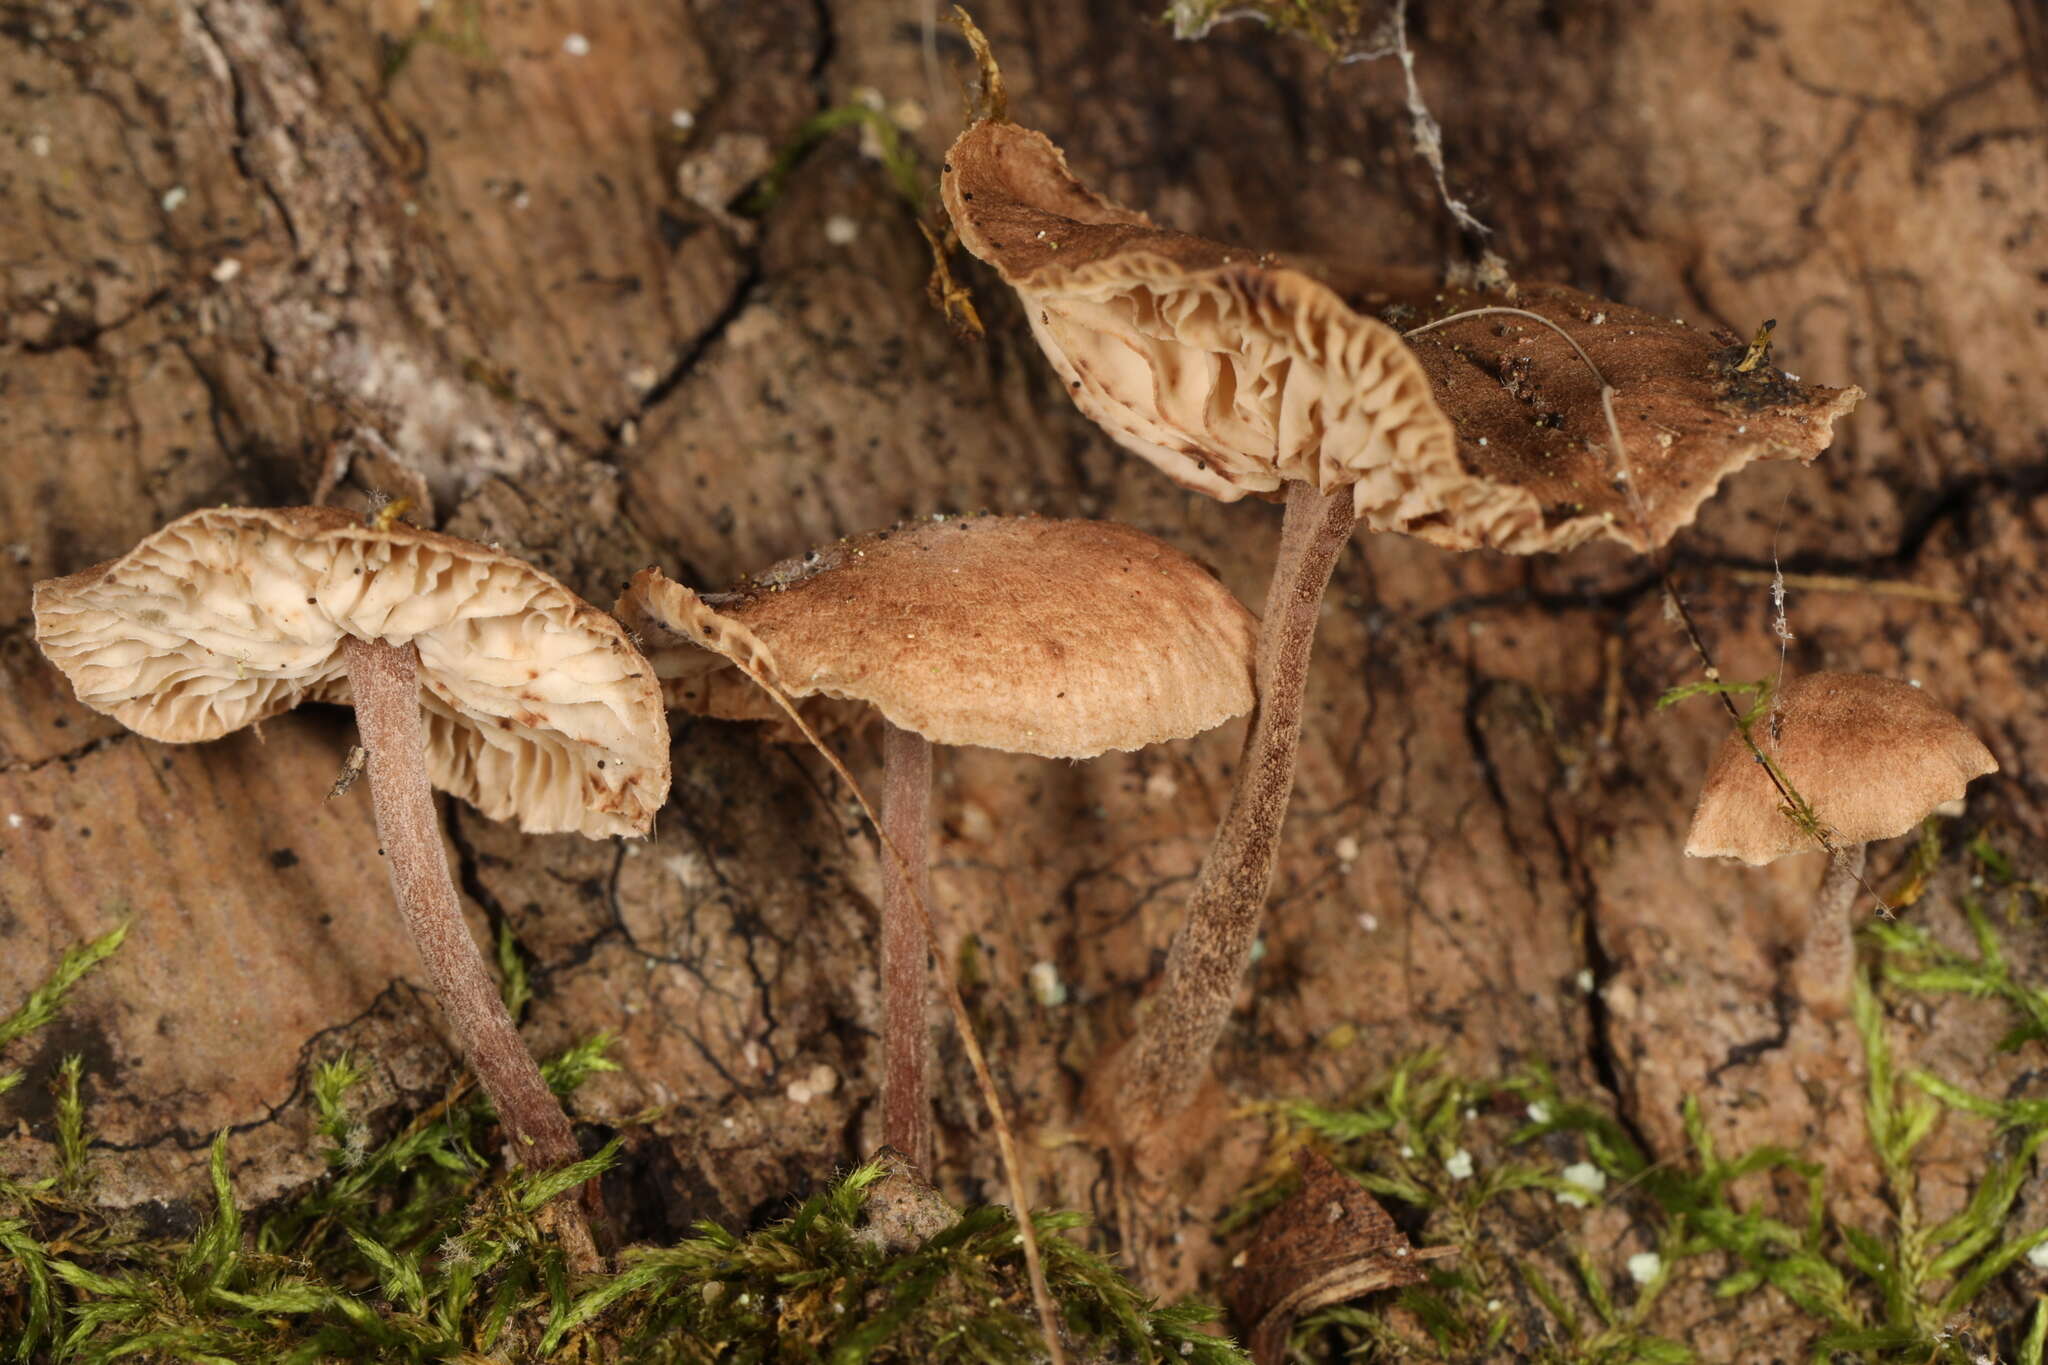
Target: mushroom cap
pixel 536 706
pixel 1058 638
pixel 1527 410
pixel 1229 373
pixel 1233 371
pixel 1872 756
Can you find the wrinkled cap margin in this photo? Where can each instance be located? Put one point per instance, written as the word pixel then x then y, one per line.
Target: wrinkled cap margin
pixel 1527 410
pixel 1064 639
pixel 1231 374
pixel 1872 756
pixel 536 706
pixel 1234 372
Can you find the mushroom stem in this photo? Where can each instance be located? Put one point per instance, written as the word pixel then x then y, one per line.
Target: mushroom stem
pixel 1827 961
pixel 906 821
pixel 384 683
pixel 1168 1060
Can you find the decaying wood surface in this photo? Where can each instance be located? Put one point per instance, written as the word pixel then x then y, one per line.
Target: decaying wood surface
pixel 449 252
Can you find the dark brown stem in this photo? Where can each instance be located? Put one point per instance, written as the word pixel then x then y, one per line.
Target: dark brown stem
pixel 949 987
pixel 384 681
pixel 1168 1061
pixel 906 820
pixel 1827 962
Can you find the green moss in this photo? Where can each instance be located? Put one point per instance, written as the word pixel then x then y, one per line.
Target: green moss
pixel 466 40
pixel 908 176
pixel 1914 1293
pixel 416 1249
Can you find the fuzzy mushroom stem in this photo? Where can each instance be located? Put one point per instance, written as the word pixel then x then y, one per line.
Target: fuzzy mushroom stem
pixel 1168 1060
pixel 384 683
pixel 906 820
pixel 1827 961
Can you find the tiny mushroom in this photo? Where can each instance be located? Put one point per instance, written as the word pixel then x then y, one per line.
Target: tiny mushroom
pixel 469 670
pixel 1871 757
pixel 1063 639
pixel 1237 375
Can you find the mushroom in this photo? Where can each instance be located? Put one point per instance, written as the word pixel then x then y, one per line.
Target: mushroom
pixel 1063 639
pixel 1871 757
pixel 1237 375
pixel 469 670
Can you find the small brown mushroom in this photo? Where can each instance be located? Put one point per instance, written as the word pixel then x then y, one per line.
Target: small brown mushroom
pixel 1236 375
pixel 1063 639
pixel 469 670
pixel 1872 757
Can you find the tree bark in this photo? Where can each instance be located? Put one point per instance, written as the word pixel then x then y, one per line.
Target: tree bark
pixel 250 246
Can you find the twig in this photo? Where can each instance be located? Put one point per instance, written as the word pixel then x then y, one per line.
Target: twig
pixel 1852 586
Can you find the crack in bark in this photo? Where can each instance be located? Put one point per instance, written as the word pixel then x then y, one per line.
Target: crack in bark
pixel 714 331
pixel 1743 1054
pixel 86 336
pixel 1951 503
pixel 25 766
pixel 400 996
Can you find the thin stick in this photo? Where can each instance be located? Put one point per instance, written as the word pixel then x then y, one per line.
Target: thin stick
pixel 906 1039
pixel 1623 471
pixel 1006 1140
pixel 384 685
pixel 1843 583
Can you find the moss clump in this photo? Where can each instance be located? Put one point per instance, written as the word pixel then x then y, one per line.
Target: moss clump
pixel 1916 1292
pixel 415 1249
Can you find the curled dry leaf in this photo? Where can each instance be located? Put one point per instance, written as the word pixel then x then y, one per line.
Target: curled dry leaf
pixel 1331 1241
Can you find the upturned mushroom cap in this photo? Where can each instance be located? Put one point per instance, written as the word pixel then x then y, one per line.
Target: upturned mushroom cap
pixel 1058 638
pixel 536 706
pixel 1872 756
pixel 1232 372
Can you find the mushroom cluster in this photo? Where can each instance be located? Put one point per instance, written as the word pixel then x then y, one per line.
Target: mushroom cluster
pixel 1060 639
pixel 1238 376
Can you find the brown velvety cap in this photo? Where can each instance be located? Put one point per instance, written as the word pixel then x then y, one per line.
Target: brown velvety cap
pixel 1527 411
pixel 1058 638
pixel 1872 756
pixel 536 706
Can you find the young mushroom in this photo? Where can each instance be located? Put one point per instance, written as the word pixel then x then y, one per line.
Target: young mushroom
pixel 1235 376
pixel 1063 639
pixel 1872 757
pixel 469 670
